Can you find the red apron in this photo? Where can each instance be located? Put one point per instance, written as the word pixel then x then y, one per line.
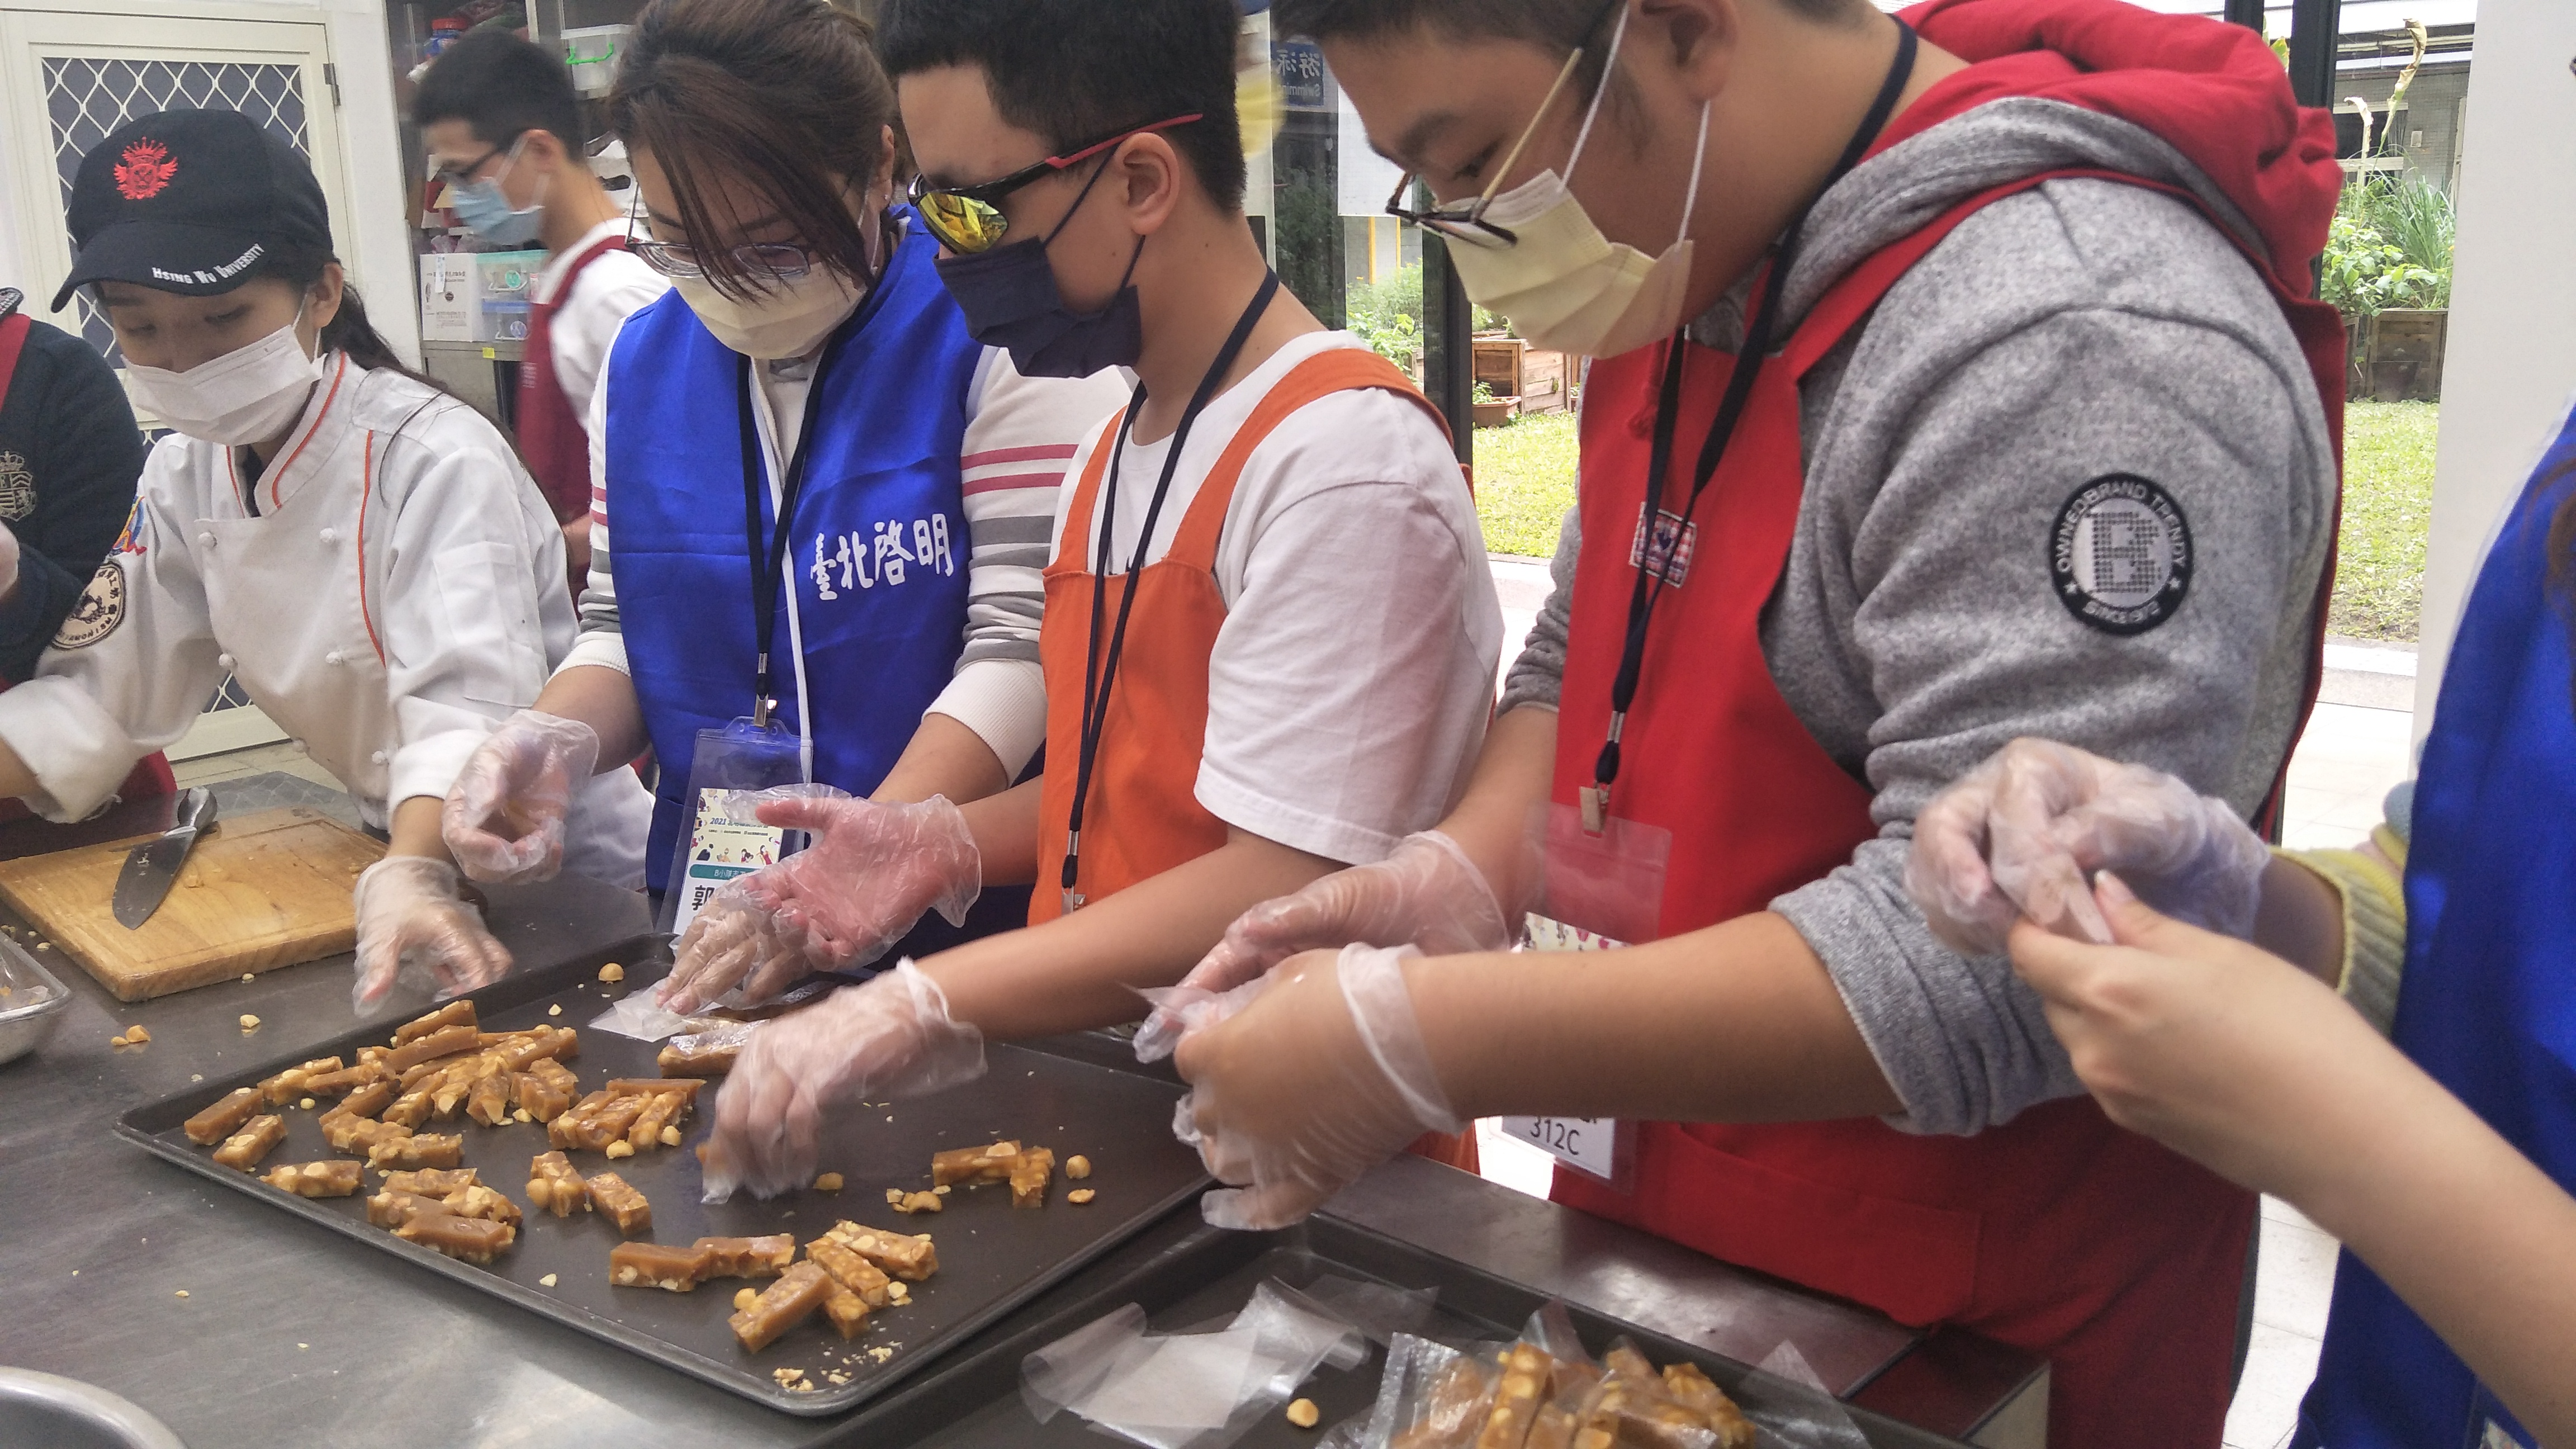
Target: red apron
pixel 2058 1232
pixel 151 776
pixel 555 442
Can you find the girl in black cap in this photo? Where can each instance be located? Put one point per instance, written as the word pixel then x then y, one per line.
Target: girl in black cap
pixel 363 553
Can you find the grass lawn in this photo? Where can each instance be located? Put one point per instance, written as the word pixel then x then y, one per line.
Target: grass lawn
pixel 1525 482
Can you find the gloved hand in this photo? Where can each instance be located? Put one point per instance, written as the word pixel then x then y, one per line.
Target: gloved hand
pixel 892 1037
pixel 1316 1077
pixel 1426 893
pixel 413 919
pixel 8 561
pixel 2023 833
pixel 504 818
pixel 870 873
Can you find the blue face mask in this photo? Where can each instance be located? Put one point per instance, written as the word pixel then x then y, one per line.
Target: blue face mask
pixel 488 214
pixel 1011 301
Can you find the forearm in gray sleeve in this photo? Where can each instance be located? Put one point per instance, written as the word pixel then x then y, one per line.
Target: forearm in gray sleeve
pixel 1961 1039
pixel 599 594
pixel 1537 677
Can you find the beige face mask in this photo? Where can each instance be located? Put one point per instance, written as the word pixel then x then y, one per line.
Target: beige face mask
pixel 787 319
pixel 1564 285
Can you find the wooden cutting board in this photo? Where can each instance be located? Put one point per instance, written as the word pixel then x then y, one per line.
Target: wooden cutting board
pixel 261 891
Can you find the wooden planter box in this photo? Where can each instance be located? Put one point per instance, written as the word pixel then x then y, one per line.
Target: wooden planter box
pixel 2397 354
pixel 1544 383
pixel 1496 413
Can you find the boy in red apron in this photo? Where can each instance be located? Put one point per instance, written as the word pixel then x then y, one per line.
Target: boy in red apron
pixel 2035 434
pixel 505 135
pixel 1270 629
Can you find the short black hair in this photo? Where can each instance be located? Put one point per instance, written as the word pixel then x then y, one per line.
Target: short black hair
pixel 1077 71
pixel 1553 24
pixel 502 87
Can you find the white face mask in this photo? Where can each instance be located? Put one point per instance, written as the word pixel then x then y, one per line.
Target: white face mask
pixel 1564 285
pixel 786 320
pixel 248 395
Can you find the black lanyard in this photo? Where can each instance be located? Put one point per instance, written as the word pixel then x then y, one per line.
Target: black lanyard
pixel 1100 673
pixel 1654 577
pixel 768 568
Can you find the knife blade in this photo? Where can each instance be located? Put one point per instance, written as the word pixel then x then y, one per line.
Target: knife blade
pixel 152 867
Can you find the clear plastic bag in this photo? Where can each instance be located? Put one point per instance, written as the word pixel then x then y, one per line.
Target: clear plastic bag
pixel 1189 1390
pixel 1544 1391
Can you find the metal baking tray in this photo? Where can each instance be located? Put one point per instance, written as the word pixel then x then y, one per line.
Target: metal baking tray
pixel 1201 1276
pixel 31 1001
pixel 992 1256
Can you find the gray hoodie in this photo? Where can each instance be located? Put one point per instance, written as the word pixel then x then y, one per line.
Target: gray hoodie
pixel 2085 330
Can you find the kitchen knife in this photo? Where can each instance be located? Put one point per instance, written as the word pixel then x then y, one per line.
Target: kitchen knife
pixel 151 867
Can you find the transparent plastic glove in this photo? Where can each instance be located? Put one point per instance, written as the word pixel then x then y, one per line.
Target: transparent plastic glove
pixel 2023 834
pixel 1316 1079
pixel 1426 893
pixel 892 1037
pixel 414 922
pixel 504 818
pixel 842 902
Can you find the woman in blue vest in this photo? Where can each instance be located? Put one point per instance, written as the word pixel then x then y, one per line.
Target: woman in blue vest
pixel 820 507
pixel 2443 1157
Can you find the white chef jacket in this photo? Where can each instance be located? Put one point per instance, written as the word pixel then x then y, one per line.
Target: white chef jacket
pixel 393 590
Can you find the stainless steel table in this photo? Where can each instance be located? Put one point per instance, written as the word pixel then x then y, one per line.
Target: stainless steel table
pixel 290 1337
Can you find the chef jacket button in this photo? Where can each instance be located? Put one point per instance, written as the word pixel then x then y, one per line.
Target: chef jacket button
pixel 225 660
pixel 299 747
pixel 330 535
pixel 379 757
pixel 205 540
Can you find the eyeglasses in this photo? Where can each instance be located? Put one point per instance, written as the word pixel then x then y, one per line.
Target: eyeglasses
pixel 1467 223
pixel 782 261
pixel 464 175
pixel 966 219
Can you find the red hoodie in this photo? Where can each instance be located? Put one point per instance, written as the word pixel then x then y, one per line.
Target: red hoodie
pixel 2214 92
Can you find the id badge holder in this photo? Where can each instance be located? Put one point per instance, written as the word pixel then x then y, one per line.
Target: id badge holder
pixel 744 755
pixel 1599 890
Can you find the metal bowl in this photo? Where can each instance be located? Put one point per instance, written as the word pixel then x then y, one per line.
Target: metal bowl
pixel 48 1411
pixel 31 1006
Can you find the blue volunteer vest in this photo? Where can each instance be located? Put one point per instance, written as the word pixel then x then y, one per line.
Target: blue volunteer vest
pixel 879 535
pixel 2488 1005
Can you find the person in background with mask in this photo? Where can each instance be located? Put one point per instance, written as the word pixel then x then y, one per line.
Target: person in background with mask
pixel 69 455
pixel 828 502
pixel 503 126
pixel 1957 380
pixel 1270 631
pixel 356 548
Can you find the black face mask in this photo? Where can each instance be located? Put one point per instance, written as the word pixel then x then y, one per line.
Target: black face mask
pixel 1011 301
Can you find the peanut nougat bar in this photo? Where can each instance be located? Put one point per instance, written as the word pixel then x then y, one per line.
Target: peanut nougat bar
pixel 765 1257
pixel 556 1187
pixel 224 1118
pixel 660 1265
pixel 782 1305
pixel 469 1240
pixel 621 1204
pixel 316 1179
pixel 256 1140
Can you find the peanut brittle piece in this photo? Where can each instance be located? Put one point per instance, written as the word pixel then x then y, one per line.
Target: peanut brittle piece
pixel 360 1134
pixel 1526 1371
pixel 393 1209
pixel 1029 1177
pixel 847 1311
pixel 366 1100
pixel 765 1257
pixel 288 1085
pixel 316 1179
pixel 488 1101
pixel 851 1271
pixel 676 1060
pixel 663 1111
pixel 559 1132
pixel 224 1118
pixel 545 1044
pixel 556 1075
pixel 556 1187
pixel 607 1123
pixel 468 1240
pixel 781 1306
pixel 974 1164
pixel 258 1137
pixel 413 1107
pixel 1696 1391
pixel 454 1013
pixel 349 1079
pixel 621 1204
pixel 432 1181
pixel 687 1087
pixel 659 1265
pixel 424 1150
pixel 478 1201
pixel 900 1255
pixel 537 1097
pixel 445 1042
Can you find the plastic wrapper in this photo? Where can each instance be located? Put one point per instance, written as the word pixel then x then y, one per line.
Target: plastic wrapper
pixel 1189 1390
pixel 638 1015
pixel 1378 1311
pixel 1803 1415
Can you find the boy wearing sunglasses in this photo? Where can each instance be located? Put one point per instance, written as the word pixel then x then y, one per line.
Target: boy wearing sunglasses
pixel 503 127
pixel 1270 629
pixel 1957 379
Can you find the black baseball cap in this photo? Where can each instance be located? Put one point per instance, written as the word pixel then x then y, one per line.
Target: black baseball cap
pixel 189 202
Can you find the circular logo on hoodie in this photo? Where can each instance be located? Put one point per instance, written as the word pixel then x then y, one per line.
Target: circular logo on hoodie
pixel 2120 554
pixel 98 610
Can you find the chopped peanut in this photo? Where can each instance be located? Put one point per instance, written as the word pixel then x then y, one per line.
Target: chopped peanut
pixel 547 1281
pixel 1304 1414
pixel 1080 1195
pixel 1077 1167
pixel 249 1022
pixel 828 1182
pixel 612 972
pixel 621 1148
pixel 136 1035
pixel 743 1299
